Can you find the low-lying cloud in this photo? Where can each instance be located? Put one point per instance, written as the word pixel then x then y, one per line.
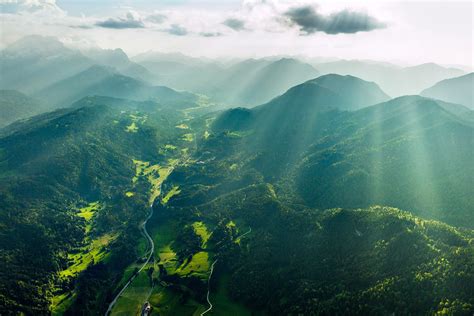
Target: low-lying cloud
pixel 129 22
pixel 177 30
pixel 310 21
pixel 29 6
pixel 235 24
pixel 210 34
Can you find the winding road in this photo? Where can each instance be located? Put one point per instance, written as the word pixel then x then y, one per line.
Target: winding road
pixel 209 290
pixel 150 255
pixel 210 276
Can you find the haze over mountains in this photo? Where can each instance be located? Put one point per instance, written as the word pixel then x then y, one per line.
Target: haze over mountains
pixel 264 186
pixel 457 90
pixel 240 83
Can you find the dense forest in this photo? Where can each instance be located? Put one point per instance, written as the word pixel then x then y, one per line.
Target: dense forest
pixel 322 196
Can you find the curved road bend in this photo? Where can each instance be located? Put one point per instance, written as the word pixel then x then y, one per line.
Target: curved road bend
pixel 209 290
pixel 150 255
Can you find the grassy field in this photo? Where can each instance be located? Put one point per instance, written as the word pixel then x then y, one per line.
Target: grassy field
pixel 201 230
pixel 155 175
pixel 174 191
pixel 135 120
pixel 189 137
pixel 182 126
pixel 198 266
pixel 93 251
pixel 132 128
pixel 132 299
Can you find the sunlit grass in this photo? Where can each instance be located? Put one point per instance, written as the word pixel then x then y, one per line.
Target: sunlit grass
pixel 132 128
pixel 88 211
pixel 174 191
pixel 131 301
pixel 201 230
pixel 182 126
pixel 198 266
pixel 93 252
pixel 189 137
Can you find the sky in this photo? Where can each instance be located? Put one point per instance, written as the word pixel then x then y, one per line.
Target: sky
pixel 406 32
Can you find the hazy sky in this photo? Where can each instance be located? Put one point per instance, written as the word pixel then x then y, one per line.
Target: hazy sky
pixel 408 31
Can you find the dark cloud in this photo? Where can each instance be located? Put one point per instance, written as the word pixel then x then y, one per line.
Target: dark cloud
pixel 210 34
pixel 235 24
pixel 177 30
pixel 129 22
pixel 310 21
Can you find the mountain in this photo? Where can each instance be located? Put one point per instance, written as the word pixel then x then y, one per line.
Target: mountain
pixel 393 79
pixel 15 105
pixel 70 203
pixel 381 154
pixel 104 81
pixel 376 155
pixel 35 62
pixel 117 59
pixel 456 90
pixel 256 87
pixel 341 260
pixel 244 83
pixel 302 102
pixel 342 92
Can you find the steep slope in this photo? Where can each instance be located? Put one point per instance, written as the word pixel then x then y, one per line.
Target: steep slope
pixel 376 260
pixel 456 90
pixel 393 79
pixel 66 209
pixel 300 103
pixel 99 80
pixel 406 153
pixel 403 153
pixel 15 105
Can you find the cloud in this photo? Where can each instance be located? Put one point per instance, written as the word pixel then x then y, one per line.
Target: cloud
pixel 156 18
pixel 310 21
pixel 177 30
pixel 29 6
pixel 210 34
pixel 235 24
pixel 131 21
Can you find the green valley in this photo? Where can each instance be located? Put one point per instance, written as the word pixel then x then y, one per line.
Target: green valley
pixel 285 183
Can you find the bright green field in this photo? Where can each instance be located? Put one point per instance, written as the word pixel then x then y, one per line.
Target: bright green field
pixel 132 299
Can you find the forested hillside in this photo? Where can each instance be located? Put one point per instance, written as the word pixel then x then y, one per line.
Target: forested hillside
pixel 166 184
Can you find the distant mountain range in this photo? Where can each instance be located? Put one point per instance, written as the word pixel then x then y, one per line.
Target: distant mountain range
pixel 35 63
pixel 458 90
pixel 393 79
pixel 15 105
pixel 105 81
pixel 244 83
